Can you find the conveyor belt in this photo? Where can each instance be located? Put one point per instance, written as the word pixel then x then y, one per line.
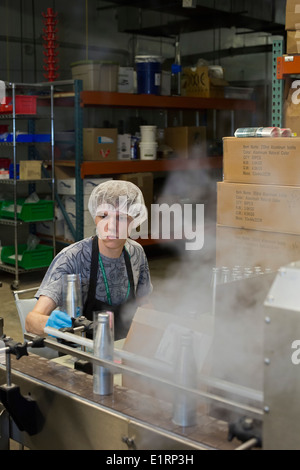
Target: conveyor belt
pixel 147 418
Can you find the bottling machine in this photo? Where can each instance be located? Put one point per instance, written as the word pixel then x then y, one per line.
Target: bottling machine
pixel 237 391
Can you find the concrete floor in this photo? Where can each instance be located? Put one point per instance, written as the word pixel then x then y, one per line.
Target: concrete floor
pixel 181 281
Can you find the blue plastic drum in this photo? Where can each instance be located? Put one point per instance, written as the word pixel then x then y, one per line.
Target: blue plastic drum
pixel 148 72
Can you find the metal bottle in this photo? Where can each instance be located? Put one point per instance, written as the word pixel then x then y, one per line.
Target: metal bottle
pixel 104 349
pixel 72 295
pixel 185 404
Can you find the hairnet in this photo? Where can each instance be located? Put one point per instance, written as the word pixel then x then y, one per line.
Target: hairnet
pixel 121 196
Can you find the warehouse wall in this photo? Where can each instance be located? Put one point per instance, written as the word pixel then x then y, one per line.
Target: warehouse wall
pixel 96 37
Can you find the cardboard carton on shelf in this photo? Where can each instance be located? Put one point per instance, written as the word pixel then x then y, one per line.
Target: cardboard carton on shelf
pixel 100 144
pixel 262 160
pixel 292 15
pixel 291 106
pixel 250 248
pixel 30 169
pixel 196 81
pixel 187 142
pixel 66 183
pixel 293 42
pixel 260 207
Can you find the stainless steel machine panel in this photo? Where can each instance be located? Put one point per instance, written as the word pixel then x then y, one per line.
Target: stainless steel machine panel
pixel 75 418
pixel 281 425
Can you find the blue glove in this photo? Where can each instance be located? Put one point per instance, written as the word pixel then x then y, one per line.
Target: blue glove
pixel 59 320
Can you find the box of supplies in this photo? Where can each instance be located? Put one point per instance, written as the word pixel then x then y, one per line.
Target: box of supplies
pixel 196 81
pixel 292 14
pixel 100 144
pixel 30 169
pixel 260 207
pixel 262 160
pixel 245 250
pixel 186 141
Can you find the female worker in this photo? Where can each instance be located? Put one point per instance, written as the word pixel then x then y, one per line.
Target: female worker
pixel 113 268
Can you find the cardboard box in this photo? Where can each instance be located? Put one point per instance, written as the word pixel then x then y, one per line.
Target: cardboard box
pixel 292 106
pixel 90 183
pixel 30 170
pixel 250 248
pixel 195 81
pixel 259 207
pixel 292 15
pixel 262 160
pixel 293 42
pixel 46 228
pixel 66 186
pixel 187 142
pixel 100 144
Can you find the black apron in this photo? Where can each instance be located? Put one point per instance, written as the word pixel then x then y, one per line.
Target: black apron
pixel 124 312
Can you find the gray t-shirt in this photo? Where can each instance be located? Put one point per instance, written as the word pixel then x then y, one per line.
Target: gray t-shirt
pixel 76 259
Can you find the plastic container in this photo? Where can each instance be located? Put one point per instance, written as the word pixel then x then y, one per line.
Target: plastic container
pixel 4 163
pixel 40 257
pixel 24 104
pixel 148 133
pixel 148 150
pixel 148 72
pixel 11 171
pixel 96 75
pixel 28 211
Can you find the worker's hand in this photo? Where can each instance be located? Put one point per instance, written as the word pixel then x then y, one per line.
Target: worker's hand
pixel 59 320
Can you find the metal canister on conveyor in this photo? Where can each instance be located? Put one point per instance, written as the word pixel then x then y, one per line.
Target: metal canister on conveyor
pixel 103 349
pixel 185 404
pixel 72 295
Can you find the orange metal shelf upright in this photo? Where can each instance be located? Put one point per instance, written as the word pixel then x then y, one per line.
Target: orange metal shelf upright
pixel 288 65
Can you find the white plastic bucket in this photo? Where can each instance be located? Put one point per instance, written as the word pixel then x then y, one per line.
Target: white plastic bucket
pixel 148 133
pixel 148 150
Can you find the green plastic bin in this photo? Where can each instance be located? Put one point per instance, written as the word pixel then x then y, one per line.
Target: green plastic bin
pixel 28 211
pixel 40 257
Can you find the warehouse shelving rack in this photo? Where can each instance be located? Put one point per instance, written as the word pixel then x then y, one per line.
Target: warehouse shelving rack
pixel 15 223
pixel 284 65
pixel 92 99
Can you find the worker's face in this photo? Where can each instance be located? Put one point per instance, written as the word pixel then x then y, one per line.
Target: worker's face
pixel 112 227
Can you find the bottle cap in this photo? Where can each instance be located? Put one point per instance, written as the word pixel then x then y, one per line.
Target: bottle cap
pixel 103 317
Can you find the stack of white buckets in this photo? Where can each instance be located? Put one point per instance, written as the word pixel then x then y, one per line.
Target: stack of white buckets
pixel 148 144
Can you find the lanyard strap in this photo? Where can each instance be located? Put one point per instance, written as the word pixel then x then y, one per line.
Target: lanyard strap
pixel 106 283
